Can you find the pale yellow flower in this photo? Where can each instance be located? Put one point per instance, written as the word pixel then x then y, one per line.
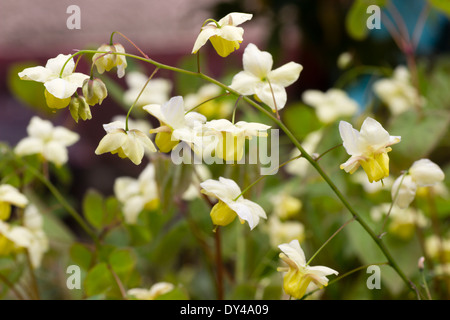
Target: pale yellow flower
pixel 58 89
pixel 47 140
pixel 368 148
pixel 231 203
pixel 127 144
pixel 153 293
pixel 108 61
pixel 298 274
pixel 10 196
pixel 225 35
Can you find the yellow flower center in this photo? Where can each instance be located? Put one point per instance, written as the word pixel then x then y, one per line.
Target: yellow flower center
pixel 5 210
pixel 164 141
pixel 55 103
pixel 295 283
pixel 223 47
pixel 377 166
pixel 221 214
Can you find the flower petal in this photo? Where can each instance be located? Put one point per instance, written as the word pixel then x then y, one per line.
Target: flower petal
pixel 273 95
pixel 245 83
pixel 257 62
pixel 235 19
pixel 39 74
pixel 61 88
pixel 203 37
pixel 56 64
pixel 111 142
pixel 173 112
pixel 350 138
pixel 286 74
pixel 294 252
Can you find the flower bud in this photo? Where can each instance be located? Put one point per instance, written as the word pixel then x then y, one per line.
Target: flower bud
pixel 94 91
pixel 420 263
pixel 105 61
pixel 79 108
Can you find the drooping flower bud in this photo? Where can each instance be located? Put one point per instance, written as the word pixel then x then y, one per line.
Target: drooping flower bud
pixel 79 108
pixel 94 91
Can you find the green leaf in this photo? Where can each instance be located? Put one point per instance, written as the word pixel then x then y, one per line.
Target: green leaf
pixel 93 208
pixel 355 20
pixel 420 135
pixel 99 280
pixel 301 120
pixel 175 294
pixel 441 5
pixel 81 255
pixel 122 260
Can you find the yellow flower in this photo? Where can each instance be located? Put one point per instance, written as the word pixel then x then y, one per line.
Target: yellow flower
pixel 231 203
pixel 224 35
pixel 368 148
pixel 127 144
pixel 298 274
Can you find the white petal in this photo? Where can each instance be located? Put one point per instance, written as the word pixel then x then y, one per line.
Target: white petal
pixel 286 74
pixel 231 33
pixel 294 252
pixel 273 95
pixel 39 74
pixel 111 142
pixel 125 188
pixel 245 83
pixel 64 136
pixel 29 145
pixel 373 134
pixel 144 140
pixel 173 112
pixel 132 208
pixel 203 37
pixel 155 110
pixel 133 149
pixel 350 138
pixel 405 195
pixel 39 128
pixel 235 18
pixel 244 212
pixel 223 189
pixel 257 62
pixel 56 64
pixel 76 79
pixel 426 173
pixel 61 88
pixel 12 195
pixel 55 152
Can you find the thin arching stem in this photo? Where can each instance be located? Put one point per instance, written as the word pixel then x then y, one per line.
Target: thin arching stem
pixel 303 152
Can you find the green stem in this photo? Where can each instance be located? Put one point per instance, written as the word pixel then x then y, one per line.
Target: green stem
pixel 137 98
pixel 329 239
pixel 60 198
pixel 303 152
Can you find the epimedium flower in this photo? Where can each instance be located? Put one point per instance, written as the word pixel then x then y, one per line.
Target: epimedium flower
pixel 175 124
pixel 107 61
pixel 48 141
pixel 330 105
pixel 402 222
pixel 15 239
pixel 10 196
pixel 259 79
pixel 137 194
pixel 230 138
pixel 130 143
pixel 368 148
pixel 397 92
pixel 231 203
pixel 59 87
pixel 157 90
pixel 282 231
pixel 298 274
pixel 153 293
pixel 225 35
pixel 422 173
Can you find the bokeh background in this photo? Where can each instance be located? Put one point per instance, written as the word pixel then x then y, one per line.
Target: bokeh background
pixel 310 32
